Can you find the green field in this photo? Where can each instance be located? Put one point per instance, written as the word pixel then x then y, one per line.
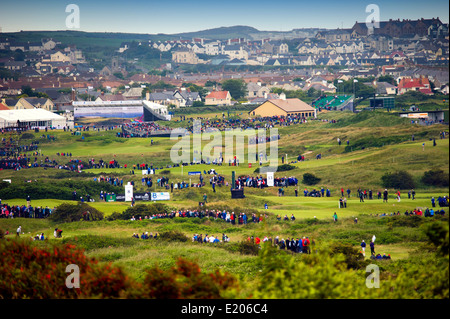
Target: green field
pixel 379 143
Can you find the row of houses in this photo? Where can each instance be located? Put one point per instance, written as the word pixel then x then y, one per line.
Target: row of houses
pixel 217 47
pixel 65 62
pixel 394 28
pixel 340 53
pixel 25 103
pixel 7 43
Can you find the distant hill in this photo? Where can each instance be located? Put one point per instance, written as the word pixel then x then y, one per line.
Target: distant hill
pixel 88 40
pixel 221 33
pixel 248 33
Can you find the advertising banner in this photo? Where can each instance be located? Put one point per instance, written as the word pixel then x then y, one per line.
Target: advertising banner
pixel 270 180
pixel 160 196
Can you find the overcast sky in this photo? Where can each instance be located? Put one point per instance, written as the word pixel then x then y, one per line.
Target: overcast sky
pixel 137 16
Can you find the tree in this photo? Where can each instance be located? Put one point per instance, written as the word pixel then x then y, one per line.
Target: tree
pixel 387 78
pixel 27 90
pixel 310 179
pixel 210 83
pixel 312 92
pixel 161 85
pixel 398 180
pixel 144 92
pixel 119 75
pixel 236 87
pixel 198 104
pixel 435 177
pixel 7 74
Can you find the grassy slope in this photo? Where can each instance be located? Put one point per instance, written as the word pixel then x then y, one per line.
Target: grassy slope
pixel 361 168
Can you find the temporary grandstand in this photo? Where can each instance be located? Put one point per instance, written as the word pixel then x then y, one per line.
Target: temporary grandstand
pixel 121 109
pixel 334 102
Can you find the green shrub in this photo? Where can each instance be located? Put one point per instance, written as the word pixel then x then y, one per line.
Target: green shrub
pixel 244 248
pixel 398 180
pixel 27 136
pixel 438 234
pixel 353 258
pixel 310 179
pixel 320 275
pixel 31 272
pixel 285 167
pixel 186 281
pixel 435 177
pixel 173 235
pixel 198 104
pixel 67 212
pixel 141 210
pixel 281 168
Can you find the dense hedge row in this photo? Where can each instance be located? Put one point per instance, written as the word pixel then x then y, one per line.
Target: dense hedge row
pixel 55 189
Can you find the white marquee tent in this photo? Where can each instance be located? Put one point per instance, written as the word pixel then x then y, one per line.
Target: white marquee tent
pixel 32 118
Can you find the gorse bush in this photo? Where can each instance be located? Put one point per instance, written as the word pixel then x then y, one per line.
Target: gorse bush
pixel 281 168
pixel 29 271
pixel 435 177
pixel 315 276
pixel 173 235
pixel 27 136
pixel 438 234
pixel 66 213
pixel 186 281
pixel 140 211
pixel 310 179
pixel 353 258
pixel 398 180
pixel 244 248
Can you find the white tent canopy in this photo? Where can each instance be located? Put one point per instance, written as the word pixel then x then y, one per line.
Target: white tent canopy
pixel 31 117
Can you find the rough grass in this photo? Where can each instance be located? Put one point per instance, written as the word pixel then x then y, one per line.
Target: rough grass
pixel 112 242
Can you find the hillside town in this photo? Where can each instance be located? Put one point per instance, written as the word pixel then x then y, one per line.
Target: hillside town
pixel 412 54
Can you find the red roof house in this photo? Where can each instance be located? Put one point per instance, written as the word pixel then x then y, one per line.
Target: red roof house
pixel 420 85
pixel 218 98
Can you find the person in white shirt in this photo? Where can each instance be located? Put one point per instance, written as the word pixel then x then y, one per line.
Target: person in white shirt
pixel 19 230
